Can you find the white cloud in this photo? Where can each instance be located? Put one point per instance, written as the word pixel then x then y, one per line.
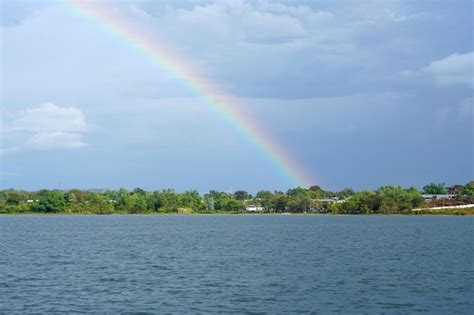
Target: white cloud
pixel 48 117
pixel 54 140
pixel 44 127
pixel 456 69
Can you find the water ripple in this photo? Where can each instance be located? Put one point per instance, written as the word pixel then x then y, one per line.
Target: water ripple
pixel 236 264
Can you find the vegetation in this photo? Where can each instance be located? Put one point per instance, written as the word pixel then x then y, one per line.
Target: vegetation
pixel 447 211
pixel 385 200
pixel 435 189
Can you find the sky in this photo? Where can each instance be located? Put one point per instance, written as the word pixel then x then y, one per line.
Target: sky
pixel 358 93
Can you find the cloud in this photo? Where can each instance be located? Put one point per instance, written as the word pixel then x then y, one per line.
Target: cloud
pixel 303 55
pixel 384 12
pixel 54 140
pixel 300 49
pixel 244 22
pixel 44 127
pixel 250 48
pixel 48 117
pixel 456 69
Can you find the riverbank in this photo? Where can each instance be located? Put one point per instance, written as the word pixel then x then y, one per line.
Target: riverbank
pixel 426 211
pixel 312 200
pixel 455 210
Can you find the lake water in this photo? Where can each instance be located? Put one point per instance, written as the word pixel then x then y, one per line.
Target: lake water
pixel 259 264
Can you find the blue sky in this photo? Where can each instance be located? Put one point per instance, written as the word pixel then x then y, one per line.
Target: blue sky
pixel 362 93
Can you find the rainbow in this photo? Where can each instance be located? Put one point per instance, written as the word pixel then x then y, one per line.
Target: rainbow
pixel 147 46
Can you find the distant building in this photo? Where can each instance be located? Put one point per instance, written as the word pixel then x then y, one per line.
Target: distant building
pixel 439 196
pixel 327 200
pixel 331 200
pixel 252 208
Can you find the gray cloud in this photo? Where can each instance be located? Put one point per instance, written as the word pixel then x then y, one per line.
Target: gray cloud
pixel 295 49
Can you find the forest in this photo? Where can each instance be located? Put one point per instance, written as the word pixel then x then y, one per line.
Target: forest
pixel 384 200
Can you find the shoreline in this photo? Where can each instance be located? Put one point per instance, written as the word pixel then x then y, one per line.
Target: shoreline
pixel 415 213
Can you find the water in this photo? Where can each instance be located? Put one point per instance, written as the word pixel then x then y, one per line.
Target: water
pixel 236 264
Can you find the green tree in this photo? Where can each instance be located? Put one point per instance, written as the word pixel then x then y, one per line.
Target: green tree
pixel 316 192
pixel 241 195
pixel 264 198
pixel 299 200
pixel 345 193
pixel 415 197
pixel 392 199
pixel 468 190
pixel 210 203
pixel 139 191
pixel 299 203
pixel 14 197
pixel 121 198
pixel 297 191
pixel 155 201
pixel 165 201
pixel 50 201
pixel 219 198
pixel 171 200
pixel 280 200
pixel 99 204
pixel 191 199
pixel 435 189
pixel 228 204
pixel 76 196
pixel 361 202
pixel 135 203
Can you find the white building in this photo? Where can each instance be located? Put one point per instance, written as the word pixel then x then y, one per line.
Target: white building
pixel 254 208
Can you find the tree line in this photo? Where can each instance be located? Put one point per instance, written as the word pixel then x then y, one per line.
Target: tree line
pixel 384 200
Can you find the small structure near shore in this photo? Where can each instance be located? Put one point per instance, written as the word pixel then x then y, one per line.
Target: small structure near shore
pixel 254 208
pixel 331 200
pixel 437 196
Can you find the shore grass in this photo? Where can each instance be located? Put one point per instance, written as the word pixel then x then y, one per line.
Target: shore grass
pixel 447 211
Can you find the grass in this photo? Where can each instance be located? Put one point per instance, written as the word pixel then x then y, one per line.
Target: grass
pixel 448 211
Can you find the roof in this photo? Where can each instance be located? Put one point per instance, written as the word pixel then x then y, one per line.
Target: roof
pixel 437 196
